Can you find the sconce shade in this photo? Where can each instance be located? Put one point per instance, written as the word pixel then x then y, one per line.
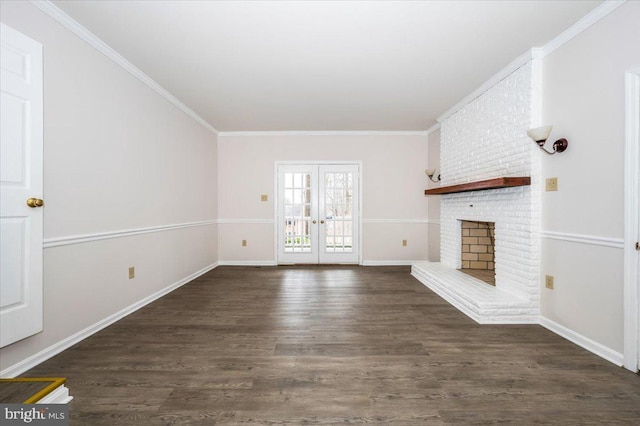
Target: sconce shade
pixel 540 134
pixel 433 174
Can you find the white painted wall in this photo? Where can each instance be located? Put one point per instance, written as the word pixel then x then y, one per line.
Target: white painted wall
pixel 393 188
pixel 433 156
pixel 117 156
pixel 583 97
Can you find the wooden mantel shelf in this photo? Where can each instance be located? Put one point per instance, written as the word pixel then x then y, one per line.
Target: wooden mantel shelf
pixel 502 182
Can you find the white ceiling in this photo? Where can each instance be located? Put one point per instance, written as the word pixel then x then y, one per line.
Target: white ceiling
pixel 323 65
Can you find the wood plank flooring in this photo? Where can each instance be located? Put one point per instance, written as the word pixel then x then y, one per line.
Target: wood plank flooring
pixel 331 345
pixel 12 392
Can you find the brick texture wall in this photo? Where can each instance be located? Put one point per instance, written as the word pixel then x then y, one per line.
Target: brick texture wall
pixel 485 139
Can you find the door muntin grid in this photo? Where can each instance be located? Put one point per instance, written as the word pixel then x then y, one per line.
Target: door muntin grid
pixel 338 210
pixel 297 212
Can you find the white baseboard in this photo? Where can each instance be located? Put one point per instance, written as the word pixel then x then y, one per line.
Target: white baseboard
pixel 389 262
pixel 59 396
pixel 56 348
pixel 247 263
pixel 274 263
pixel 582 341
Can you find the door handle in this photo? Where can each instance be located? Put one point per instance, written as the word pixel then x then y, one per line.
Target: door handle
pixel 35 202
pixel 322 222
pixel 314 221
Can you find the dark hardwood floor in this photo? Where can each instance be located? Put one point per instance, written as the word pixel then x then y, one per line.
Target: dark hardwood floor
pixel 331 345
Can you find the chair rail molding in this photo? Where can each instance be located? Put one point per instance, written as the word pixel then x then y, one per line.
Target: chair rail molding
pixel 396 220
pixel 584 239
pixel 86 238
pixel 246 221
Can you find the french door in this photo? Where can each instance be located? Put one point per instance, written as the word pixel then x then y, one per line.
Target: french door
pixel 318 213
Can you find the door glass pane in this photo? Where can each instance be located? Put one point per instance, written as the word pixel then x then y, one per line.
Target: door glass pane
pixel 288 196
pixel 338 212
pixel 297 212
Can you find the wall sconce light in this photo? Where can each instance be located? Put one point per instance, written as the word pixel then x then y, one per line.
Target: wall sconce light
pixel 540 136
pixel 433 174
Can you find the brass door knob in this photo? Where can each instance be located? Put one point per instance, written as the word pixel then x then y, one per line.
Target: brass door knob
pixel 314 221
pixel 322 221
pixel 35 202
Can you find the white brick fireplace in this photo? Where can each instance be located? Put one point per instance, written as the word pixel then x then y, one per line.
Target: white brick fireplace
pixel 487 139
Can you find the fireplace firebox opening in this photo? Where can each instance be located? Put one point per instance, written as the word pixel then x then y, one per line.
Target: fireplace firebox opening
pixel 478 250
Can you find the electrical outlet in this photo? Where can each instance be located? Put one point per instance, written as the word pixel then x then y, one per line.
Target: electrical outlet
pixel 244 243
pixel 132 272
pixel 552 184
pixel 264 197
pixel 404 243
pixel 548 281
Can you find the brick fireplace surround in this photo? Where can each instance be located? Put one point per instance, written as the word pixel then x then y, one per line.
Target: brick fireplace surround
pixel 486 139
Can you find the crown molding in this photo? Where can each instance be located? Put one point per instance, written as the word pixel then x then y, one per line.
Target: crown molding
pixel 534 53
pixel 537 53
pixel 328 133
pixel 588 20
pixel 433 128
pixel 92 40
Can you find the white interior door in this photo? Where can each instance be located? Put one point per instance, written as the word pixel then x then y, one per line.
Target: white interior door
pixel 21 135
pixel 318 213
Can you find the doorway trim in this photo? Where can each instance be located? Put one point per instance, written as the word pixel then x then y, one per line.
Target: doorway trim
pixel 631 214
pixel 276 201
